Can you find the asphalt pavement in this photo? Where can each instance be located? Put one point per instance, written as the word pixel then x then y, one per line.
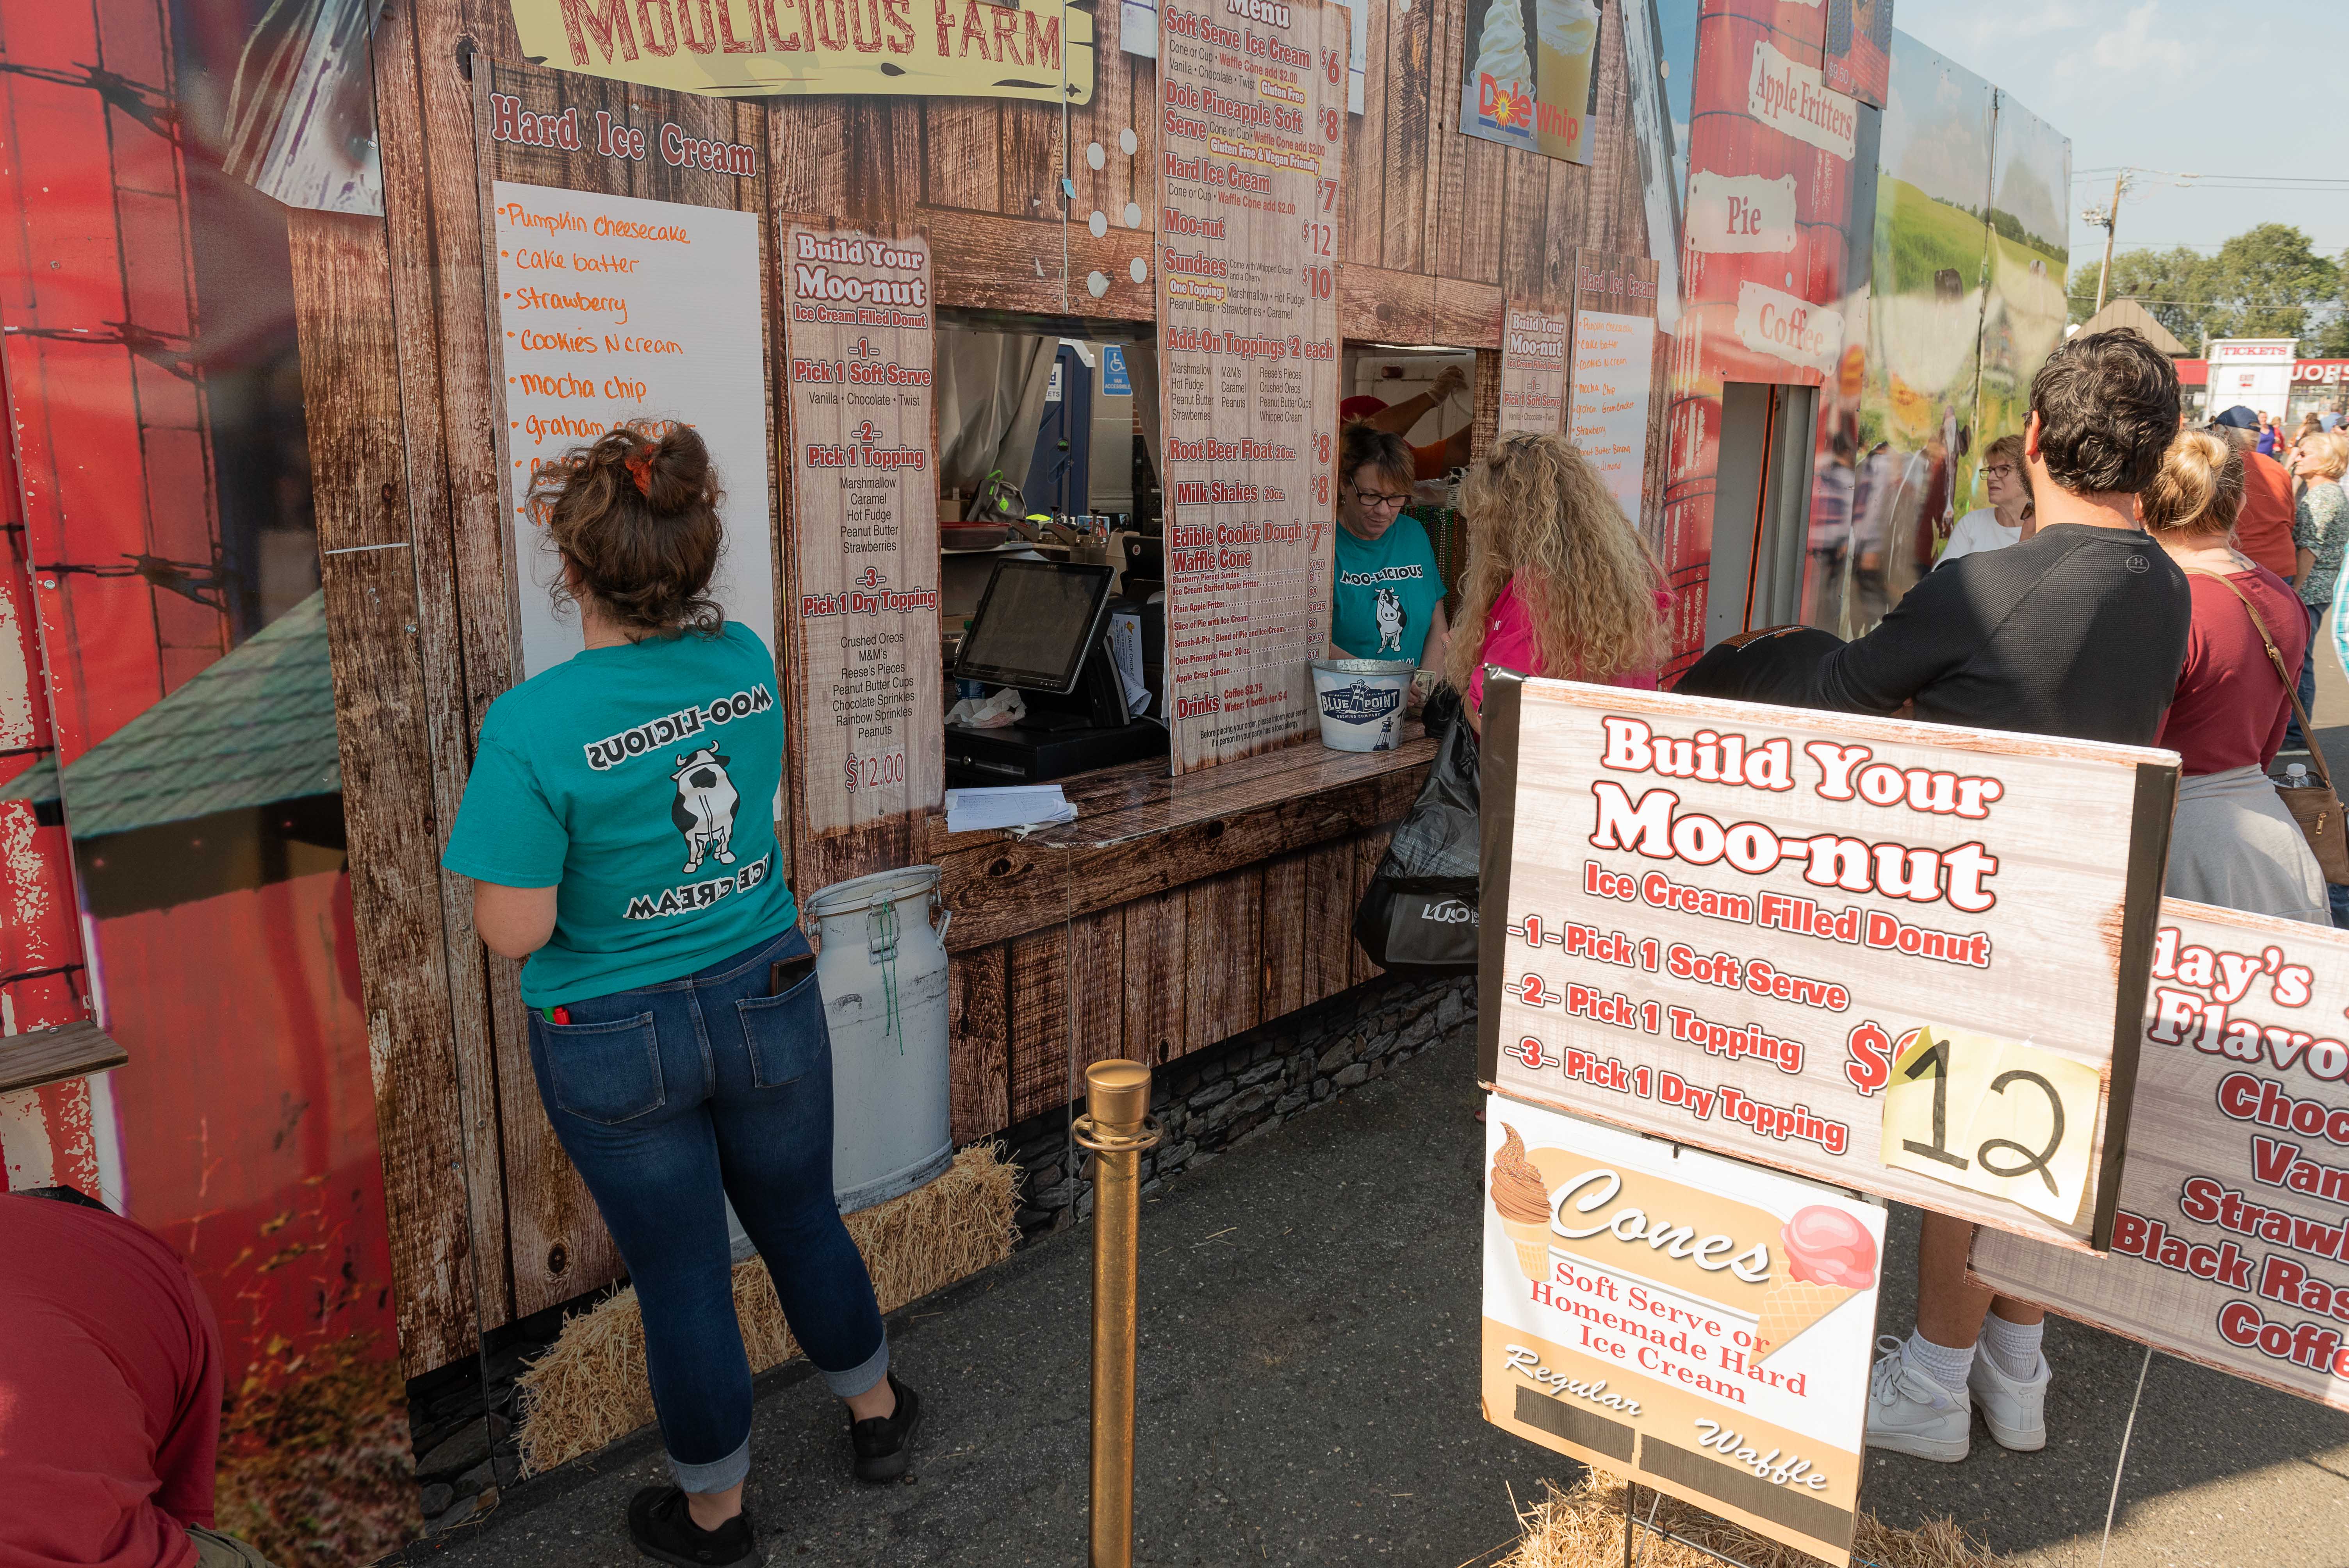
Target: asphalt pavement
pixel 1308 1396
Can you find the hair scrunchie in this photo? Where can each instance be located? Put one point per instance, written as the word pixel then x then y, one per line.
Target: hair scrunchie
pixel 639 466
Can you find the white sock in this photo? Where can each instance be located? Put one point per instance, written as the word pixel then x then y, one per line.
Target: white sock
pixel 2014 1346
pixel 1939 1362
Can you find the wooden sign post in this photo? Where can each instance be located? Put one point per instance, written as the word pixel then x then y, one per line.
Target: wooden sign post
pixel 1255 108
pixel 2229 1246
pixel 1905 958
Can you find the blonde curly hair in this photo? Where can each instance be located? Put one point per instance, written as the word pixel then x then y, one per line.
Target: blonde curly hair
pixel 1537 511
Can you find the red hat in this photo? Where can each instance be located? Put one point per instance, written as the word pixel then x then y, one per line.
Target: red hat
pixel 1360 406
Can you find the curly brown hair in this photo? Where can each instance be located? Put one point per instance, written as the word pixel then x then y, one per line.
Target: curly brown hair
pixel 634 517
pixel 1537 512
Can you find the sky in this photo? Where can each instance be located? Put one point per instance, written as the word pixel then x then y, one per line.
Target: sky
pixel 2149 84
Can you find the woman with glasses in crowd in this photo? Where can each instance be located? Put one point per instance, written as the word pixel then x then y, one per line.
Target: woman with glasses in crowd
pixel 1388 599
pixel 2008 519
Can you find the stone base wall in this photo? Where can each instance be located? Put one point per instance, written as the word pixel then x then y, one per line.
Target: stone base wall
pixel 1219 1098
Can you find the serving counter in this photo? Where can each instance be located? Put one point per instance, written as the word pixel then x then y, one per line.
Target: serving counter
pixel 1173 914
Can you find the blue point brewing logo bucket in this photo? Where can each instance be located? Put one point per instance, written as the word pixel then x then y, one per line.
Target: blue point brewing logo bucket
pixel 1362 702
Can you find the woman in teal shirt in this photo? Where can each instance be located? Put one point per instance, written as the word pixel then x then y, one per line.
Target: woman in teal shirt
pixel 1387 601
pixel 619 829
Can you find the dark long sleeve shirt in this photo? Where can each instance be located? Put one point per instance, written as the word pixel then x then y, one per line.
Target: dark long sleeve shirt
pixel 2076 631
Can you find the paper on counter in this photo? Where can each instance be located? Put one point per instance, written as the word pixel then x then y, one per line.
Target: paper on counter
pixel 1007 806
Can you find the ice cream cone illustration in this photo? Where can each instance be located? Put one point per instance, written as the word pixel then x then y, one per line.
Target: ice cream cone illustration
pixel 1523 1204
pixel 1830 1258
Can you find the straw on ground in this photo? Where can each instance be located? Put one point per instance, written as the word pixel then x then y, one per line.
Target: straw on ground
pixel 589 1390
pixel 1582 1527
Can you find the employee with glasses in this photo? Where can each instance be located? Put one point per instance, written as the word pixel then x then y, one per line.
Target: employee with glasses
pixel 1388 599
pixel 2008 519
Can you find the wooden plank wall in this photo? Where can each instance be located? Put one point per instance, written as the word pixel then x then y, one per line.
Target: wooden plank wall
pixel 1435 227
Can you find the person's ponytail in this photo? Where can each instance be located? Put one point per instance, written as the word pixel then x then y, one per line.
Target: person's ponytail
pixel 2198 489
pixel 635 516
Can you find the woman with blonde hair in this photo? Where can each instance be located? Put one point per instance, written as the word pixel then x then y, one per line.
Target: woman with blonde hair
pixel 1559 582
pixel 2008 519
pixel 2232 843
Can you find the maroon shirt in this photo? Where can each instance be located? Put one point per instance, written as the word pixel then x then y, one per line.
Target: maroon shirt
pixel 109 1393
pixel 2230 710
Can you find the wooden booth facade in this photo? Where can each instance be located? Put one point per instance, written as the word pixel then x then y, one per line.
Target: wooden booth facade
pixel 1173 914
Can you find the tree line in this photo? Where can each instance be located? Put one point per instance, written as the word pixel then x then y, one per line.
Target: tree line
pixel 2266 282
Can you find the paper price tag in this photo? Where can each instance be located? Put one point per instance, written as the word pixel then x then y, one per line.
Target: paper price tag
pixel 1994 1115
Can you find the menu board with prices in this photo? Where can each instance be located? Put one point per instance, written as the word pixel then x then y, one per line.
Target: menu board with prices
pixel 2231 1243
pixel 1904 958
pixel 1533 368
pixel 1250 152
pixel 859 332
pixel 1614 369
pixel 615 309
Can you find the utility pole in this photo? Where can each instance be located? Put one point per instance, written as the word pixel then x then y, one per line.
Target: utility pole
pixel 2107 218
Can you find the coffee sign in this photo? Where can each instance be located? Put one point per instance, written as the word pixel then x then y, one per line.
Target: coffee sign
pixel 1904 958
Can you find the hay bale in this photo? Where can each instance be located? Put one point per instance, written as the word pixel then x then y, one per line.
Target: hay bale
pixel 590 1391
pixel 1583 1528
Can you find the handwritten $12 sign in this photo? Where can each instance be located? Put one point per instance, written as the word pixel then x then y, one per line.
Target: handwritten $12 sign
pixel 1904 958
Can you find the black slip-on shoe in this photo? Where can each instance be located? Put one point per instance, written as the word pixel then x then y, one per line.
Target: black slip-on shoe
pixel 664 1530
pixel 884 1445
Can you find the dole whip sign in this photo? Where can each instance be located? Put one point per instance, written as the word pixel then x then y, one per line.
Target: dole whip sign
pixel 2232 1243
pixel 1694 1323
pixel 749 48
pixel 1905 958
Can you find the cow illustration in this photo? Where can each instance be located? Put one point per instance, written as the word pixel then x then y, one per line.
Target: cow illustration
pixel 1392 620
pixel 703 809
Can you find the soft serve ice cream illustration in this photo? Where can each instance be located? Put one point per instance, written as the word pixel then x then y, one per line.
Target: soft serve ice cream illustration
pixel 1504 79
pixel 1523 1204
pixel 1830 1257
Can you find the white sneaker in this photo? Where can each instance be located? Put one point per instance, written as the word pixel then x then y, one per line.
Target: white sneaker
pixel 1908 1413
pixel 2016 1408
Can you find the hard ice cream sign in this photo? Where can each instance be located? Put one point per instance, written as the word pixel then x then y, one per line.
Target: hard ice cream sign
pixel 1698 1323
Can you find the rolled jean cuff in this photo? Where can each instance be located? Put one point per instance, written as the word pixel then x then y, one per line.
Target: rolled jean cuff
pixel 857 1379
pixel 717 1475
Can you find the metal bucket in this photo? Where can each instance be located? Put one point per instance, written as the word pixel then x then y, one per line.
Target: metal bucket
pixel 882 972
pixel 1362 702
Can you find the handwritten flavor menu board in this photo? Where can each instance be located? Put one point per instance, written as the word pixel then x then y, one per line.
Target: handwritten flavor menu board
pixel 614 309
pixel 2229 1247
pixel 1727 1365
pixel 1904 958
pixel 859 331
pixel 1533 368
pixel 1254 105
pixel 1614 362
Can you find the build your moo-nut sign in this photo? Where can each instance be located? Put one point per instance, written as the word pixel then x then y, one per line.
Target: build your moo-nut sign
pixel 1901 957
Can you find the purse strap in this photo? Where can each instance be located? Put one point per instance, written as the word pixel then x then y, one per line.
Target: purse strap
pixel 2290 681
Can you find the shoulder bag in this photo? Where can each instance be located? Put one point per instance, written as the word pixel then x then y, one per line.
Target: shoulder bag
pixel 2315 807
pixel 1419 915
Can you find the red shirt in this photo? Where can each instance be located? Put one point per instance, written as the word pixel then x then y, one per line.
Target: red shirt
pixel 2230 710
pixel 2263 528
pixel 109 1393
pixel 1509 643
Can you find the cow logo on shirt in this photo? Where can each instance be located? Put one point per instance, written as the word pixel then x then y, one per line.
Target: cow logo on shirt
pixel 703 807
pixel 1392 620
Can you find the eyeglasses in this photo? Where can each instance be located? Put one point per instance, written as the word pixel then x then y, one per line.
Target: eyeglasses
pixel 1374 499
pixel 1999 471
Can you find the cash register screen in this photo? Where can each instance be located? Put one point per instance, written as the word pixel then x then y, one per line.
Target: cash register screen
pixel 1035 624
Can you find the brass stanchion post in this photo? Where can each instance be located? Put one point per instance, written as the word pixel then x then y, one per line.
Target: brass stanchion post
pixel 1117 1128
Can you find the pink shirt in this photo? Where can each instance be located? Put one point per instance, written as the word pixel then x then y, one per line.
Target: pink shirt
pixel 1509 643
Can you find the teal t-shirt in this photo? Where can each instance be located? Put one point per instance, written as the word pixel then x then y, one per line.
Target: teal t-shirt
pixel 638 781
pixel 1386 593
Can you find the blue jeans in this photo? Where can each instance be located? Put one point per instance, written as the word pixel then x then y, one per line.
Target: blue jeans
pixel 2293 740
pixel 666 1096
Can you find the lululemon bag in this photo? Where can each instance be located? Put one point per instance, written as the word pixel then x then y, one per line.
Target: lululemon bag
pixel 1418 916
